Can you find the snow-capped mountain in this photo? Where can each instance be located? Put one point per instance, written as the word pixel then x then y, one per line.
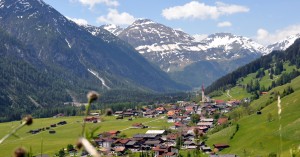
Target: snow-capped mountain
pixel 160 44
pixel 148 32
pixel 229 46
pixel 175 51
pixel 114 29
pixel 172 50
pixel 283 44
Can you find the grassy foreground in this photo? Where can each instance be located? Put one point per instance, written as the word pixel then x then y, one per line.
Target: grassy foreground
pixel 66 134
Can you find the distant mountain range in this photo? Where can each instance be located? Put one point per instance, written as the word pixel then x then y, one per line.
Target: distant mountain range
pixel 174 51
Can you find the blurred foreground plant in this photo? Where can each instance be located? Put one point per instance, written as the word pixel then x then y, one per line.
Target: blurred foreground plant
pixel 26 121
pixel 83 141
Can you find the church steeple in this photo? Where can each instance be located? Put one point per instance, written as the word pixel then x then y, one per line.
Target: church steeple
pixel 203 94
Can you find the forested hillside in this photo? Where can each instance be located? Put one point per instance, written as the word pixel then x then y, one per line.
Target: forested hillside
pixel 272 62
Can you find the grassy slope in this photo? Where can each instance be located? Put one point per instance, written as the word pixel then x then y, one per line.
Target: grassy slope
pixel 257 136
pixel 66 134
pixel 239 93
pixel 236 93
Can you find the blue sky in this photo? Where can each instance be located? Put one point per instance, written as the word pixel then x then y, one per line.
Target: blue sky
pixel 265 21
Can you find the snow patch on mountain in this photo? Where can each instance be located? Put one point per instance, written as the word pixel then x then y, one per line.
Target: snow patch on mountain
pixel 69 45
pixel 114 29
pixel 100 78
pixel 230 42
pixel 284 44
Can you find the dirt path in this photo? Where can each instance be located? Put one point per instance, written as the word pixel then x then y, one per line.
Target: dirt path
pixel 228 94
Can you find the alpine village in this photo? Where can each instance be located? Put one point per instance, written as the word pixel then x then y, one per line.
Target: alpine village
pixel 72 89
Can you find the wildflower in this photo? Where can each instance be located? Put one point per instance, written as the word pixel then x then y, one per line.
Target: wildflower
pixel 28 120
pixel 78 145
pixel 20 152
pixel 92 96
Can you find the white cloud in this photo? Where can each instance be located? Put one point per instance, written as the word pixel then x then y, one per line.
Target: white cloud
pixel 92 3
pixel 228 9
pixel 262 34
pixel 114 17
pixel 197 10
pixel 81 22
pixel 200 37
pixel 224 24
pixel 264 37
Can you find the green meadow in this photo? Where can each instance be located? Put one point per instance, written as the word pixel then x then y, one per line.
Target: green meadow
pixel 67 134
pixel 259 135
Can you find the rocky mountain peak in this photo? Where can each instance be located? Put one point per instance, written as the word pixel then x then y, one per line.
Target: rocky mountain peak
pixel 114 29
pixel 143 22
pixel 284 43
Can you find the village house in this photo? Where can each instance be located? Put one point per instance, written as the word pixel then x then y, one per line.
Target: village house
pixel 205 149
pixel 160 110
pixel 189 145
pixel 121 142
pixel 171 116
pixel 117 113
pixel 128 114
pixel 149 114
pixel 177 125
pixel 152 143
pixel 206 120
pixel 104 142
pixel 119 150
pixel 133 146
pixel 219 102
pixel 222 121
pixel 92 119
pixel 171 139
pixel 147 136
pixel 165 151
pixel 205 124
pixel 233 103
pixel 158 132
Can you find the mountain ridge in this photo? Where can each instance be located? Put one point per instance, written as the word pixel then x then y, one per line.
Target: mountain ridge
pixel 175 51
pixel 69 58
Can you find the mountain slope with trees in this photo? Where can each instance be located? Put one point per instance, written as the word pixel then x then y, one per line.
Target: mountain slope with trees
pixel 263 130
pixel 49 61
pixel 272 62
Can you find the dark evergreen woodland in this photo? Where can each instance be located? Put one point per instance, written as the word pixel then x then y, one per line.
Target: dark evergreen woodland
pixel 273 62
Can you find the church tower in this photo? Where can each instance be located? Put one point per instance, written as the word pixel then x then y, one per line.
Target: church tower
pixel 203 95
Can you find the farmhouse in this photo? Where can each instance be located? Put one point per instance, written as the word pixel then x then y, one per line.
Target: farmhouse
pixel 92 119
pixel 147 136
pixel 222 121
pixel 165 151
pixel 160 110
pixel 119 113
pixel 205 124
pixel 189 145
